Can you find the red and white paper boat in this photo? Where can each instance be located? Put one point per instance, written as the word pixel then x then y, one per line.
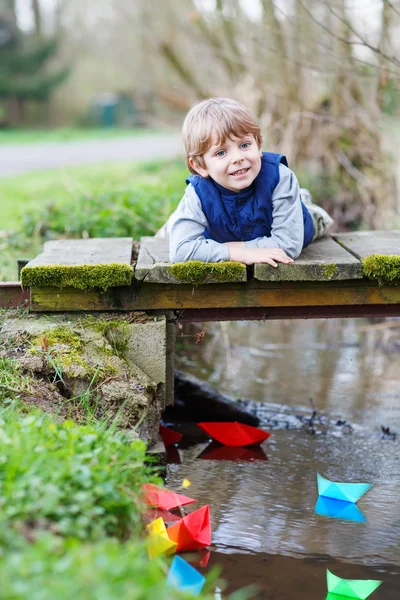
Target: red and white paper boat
pixel 169 436
pixel 162 498
pixel 193 531
pixel 234 434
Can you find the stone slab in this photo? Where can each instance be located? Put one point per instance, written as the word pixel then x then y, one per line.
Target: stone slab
pixel 364 243
pixel 323 260
pixel 153 264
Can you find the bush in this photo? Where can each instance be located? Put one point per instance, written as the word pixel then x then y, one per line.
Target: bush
pixel 137 210
pixel 73 480
pixel 67 569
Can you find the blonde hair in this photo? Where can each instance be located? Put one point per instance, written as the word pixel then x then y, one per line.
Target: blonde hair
pixel 220 117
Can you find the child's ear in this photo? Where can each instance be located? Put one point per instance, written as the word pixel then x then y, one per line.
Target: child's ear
pixel 197 168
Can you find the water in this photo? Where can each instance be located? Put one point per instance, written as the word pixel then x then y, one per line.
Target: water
pixel 265 529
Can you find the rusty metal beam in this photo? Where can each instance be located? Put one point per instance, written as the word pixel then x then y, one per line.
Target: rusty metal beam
pixel 12 295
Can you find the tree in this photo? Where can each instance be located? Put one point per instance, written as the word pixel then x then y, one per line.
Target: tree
pixel 296 66
pixel 24 72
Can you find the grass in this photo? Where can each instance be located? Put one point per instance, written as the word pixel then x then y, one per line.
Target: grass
pixel 68 134
pixel 70 498
pixel 107 200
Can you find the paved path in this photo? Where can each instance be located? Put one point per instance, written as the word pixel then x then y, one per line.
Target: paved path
pixel 21 158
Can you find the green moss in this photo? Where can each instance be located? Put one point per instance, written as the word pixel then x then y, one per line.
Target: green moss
pixel 196 272
pixel 65 349
pixel 329 271
pixel 82 277
pixel 384 268
pixel 115 332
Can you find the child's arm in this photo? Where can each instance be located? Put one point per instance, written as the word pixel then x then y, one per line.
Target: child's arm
pixel 186 233
pixel 287 231
pixel 250 256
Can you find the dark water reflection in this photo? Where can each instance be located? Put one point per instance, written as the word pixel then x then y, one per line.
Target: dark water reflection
pixel 267 507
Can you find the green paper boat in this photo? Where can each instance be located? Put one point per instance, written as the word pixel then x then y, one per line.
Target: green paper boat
pixel 350 588
pixel 349 492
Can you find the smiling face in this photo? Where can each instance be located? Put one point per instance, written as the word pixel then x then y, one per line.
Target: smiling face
pixel 233 163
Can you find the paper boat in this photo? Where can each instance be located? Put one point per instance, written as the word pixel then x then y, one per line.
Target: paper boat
pixel 349 492
pixel 169 436
pixel 234 433
pixel 155 513
pixel 338 509
pixel 198 557
pixel 184 577
pixel 172 455
pixel 351 588
pixel 193 531
pixel 158 541
pixel 215 451
pixel 162 498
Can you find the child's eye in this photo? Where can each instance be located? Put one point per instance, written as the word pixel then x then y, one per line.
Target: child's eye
pixel 245 145
pixel 220 153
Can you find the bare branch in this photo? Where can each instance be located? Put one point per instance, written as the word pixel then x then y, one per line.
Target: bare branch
pixel 390 4
pixel 363 41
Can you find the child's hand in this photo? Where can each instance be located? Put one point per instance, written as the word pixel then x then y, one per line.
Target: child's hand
pixel 251 256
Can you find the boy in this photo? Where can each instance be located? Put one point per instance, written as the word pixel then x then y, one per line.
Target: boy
pixel 240 204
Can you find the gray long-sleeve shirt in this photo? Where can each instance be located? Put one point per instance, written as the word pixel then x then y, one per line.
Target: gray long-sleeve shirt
pixel 187 224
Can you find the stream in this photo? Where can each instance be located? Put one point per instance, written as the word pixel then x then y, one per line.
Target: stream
pixel 266 531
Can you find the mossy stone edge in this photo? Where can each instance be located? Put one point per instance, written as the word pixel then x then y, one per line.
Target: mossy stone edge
pixel 197 272
pixel 384 268
pixel 81 277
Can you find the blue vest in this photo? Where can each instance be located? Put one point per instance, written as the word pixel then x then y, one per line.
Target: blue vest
pixel 246 215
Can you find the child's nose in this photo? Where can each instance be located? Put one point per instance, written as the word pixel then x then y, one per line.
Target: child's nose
pixel 236 157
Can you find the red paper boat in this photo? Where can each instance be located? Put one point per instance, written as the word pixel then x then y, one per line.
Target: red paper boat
pixel 204 561
pixel 172 455
pixel 169 436
pixel 154 513
pixel 193 531
pixel 163 498
pixel 215 451
pixel 198 557
pixel 234 434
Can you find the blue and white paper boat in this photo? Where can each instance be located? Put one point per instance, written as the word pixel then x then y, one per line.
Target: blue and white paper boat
pixel 338 509
pixel 184 578
pixel 349 492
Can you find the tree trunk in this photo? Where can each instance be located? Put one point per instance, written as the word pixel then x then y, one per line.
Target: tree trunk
pixel 37 17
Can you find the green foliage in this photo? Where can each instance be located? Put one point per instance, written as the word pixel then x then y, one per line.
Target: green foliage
pixel 117 213
pixel 55 568
pixel 81 277
pixel 12 381
pixel 197 272
pixel 74 480
pixel 384 268
pixel 43 205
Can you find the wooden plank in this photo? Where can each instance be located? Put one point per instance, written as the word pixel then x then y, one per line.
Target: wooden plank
pixel 153 265
pixel 263 294
pixel 323 260
pixel 102 262
pixel 364 243
pixel 379 252
pixel 93 251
